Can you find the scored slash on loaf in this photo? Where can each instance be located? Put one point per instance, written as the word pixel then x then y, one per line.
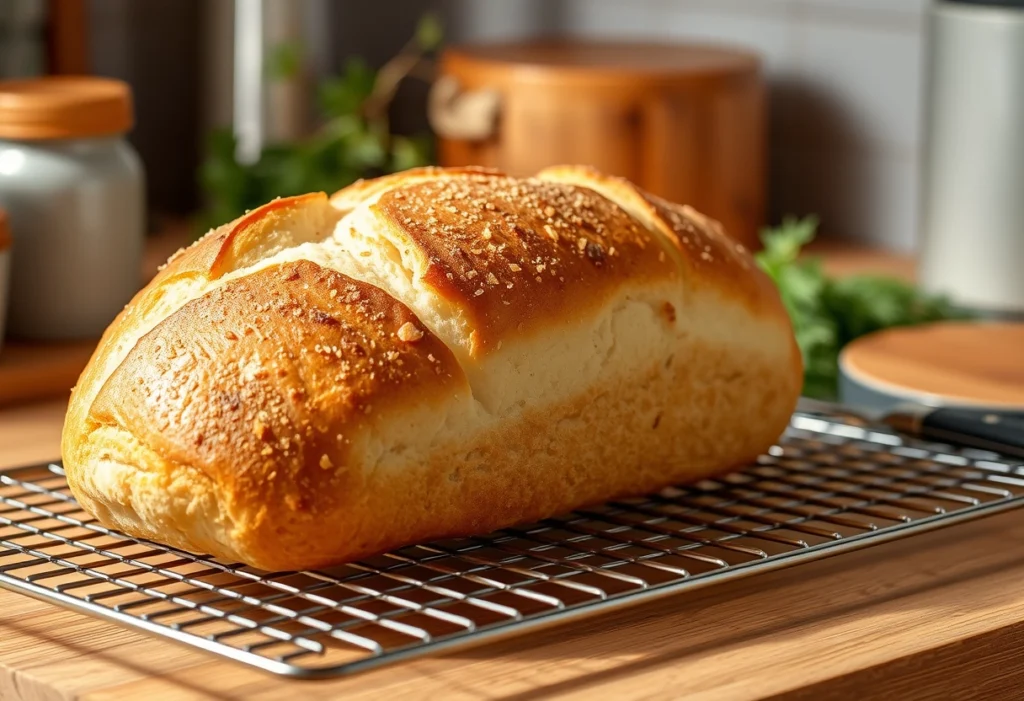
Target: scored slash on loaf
pixel 434 353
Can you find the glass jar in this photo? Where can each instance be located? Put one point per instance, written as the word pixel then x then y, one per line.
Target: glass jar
pixel 73 189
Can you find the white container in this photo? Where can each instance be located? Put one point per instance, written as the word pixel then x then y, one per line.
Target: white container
pixel 74 193
pixel 973 179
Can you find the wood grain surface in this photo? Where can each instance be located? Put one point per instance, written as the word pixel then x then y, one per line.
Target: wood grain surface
pixel 935 616
pixel 976 362
pixel 843 258
pixel 67 37
pixel 30 433
pixel 30 371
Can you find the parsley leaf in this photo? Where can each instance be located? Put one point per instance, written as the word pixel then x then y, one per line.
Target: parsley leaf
pixel 827 313
pixel 352 141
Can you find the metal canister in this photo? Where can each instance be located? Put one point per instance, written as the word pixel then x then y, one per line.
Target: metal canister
pixel 73 189
pixel 973 177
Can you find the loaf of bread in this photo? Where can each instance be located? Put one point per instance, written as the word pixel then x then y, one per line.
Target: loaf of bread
pixel 435 353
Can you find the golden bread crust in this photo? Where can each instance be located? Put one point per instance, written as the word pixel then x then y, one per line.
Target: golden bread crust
pixel 186 276
pixel 513 254
pixel 268 411
pixel 708 257
pixel 508 475
pixel 326 378
pixel 360 191
pixel 219 251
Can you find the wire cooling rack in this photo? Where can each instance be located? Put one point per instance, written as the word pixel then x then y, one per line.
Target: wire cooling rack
pixel 833 483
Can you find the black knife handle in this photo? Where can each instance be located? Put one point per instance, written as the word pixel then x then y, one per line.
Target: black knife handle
pixel 998 431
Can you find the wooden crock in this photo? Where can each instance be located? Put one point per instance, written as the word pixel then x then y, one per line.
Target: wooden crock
pixel 686 122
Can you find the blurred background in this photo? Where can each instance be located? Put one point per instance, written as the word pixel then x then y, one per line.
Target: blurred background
pixel 880 136
pixel 845 80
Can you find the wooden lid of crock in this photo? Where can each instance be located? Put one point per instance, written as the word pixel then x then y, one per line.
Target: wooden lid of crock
pixel 578 59
pixel 957 363
pixel 64 108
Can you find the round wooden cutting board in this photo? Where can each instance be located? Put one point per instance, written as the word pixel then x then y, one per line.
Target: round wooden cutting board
pixel 942 364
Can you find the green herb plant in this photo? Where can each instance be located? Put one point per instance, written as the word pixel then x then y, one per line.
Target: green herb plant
pixel 827 313
pixel 353 141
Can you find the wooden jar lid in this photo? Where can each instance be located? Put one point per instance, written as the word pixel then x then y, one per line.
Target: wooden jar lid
pixel 64 107
pixel 948 363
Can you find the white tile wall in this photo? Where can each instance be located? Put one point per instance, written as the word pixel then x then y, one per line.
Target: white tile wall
pixel 846 79
pixel 873 73
pixel 772 35
pixel 613 17
pixel 880 12
pixel 485 20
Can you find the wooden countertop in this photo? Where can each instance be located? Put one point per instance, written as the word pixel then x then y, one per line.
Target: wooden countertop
pixel 936 615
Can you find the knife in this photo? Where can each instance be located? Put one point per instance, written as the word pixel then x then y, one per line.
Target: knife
pixel 996 430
